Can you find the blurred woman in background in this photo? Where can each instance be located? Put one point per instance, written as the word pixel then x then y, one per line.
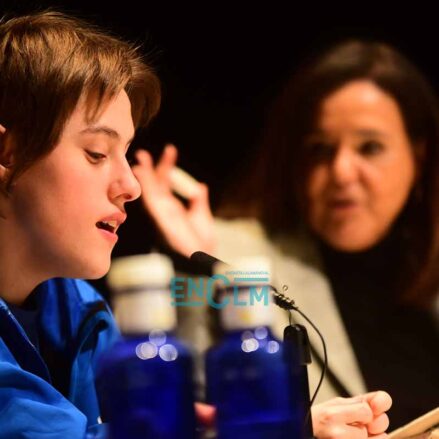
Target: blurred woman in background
pixel 344 198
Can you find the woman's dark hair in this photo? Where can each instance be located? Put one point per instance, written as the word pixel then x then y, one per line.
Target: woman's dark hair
pixel 274 189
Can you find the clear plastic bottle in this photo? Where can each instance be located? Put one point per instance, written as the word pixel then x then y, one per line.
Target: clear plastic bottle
pixel 248 375
pixel 145 380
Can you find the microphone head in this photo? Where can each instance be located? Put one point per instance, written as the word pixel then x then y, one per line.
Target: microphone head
pixel 204 262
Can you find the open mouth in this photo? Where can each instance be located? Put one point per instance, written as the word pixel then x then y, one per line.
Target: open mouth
pixel 109 226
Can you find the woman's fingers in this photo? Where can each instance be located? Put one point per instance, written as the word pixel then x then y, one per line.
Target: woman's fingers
pixel 144 167
pixel 355 412
pixel 379 425
pixel 202 220
pixel 145 174
pixel 379 401
pixel 341 418
pixel 205 414
pixel 166 162
pixel 361 416
pixel 155 180
pixel 341 431
pixel 199 203
pixel 186 227
pixel 343 401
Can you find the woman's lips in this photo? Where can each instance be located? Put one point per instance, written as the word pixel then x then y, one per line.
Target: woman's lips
pixel 342 203
pixel 109 235
pixel 343 206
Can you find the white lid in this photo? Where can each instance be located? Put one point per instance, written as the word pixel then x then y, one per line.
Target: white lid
pixel 247 308
pixel 144 312
pixel 151 270
pixel 146 306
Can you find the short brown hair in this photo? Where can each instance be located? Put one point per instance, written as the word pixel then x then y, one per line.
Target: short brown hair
pixel 48 60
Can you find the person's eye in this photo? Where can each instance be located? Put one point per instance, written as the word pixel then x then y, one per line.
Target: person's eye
pixel 320 151
pixel 95 157
pixel 371 147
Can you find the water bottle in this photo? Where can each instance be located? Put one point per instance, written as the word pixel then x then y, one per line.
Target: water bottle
pixel 248 375
pixel 145 380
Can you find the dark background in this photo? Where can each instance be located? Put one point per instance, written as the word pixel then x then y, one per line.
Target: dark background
pixel 221 63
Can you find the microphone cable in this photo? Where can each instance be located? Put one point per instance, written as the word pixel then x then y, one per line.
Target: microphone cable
pixel 289 305
pixel 204 263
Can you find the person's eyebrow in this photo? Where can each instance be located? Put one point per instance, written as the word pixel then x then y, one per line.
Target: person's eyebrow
pixel 370 133
pixel 103 129
pixel 362 132
pixel 317 136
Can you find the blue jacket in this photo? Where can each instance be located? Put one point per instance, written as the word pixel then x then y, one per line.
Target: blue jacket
pixel 77 322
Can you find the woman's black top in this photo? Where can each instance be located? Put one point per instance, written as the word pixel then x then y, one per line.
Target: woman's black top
pixel 397 346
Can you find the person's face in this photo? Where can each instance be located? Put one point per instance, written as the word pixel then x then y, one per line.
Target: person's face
pixel 362 167
pixel 61 203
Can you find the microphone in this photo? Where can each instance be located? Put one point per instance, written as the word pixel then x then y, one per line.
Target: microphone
pixel 203 262
pixel 198 264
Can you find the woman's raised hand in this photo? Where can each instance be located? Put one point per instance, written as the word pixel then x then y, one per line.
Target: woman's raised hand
pixel 186 229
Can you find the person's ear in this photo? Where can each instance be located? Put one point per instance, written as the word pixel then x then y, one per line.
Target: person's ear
pixel 6 156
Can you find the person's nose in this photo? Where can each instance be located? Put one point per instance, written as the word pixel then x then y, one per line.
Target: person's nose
pixel 124 186
pixel 344 166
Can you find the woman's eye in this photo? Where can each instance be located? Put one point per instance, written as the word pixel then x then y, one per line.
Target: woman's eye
pixel 95 156
pixel 320 151
pixel 371 147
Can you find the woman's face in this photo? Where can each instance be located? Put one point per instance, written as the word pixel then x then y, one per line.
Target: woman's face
pixel 362 167
pixel 59 206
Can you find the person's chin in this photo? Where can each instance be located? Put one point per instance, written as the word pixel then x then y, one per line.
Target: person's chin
pixel 351 244
pixel 95 270
pixel 349 236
